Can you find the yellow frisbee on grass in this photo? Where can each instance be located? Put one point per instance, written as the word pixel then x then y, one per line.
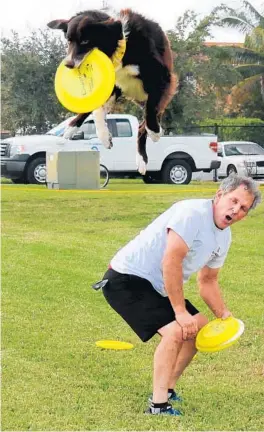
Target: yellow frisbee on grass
pixel 114 345
pixel 219 334
pixel 87 87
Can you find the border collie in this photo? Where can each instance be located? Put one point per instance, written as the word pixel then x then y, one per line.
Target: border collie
pixel 144 75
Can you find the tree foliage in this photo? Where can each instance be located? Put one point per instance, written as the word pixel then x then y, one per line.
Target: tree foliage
pixel 204 81
pixel 29 102
pixel 248 59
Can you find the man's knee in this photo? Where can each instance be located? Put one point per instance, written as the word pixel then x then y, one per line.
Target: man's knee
pixel 171 332
pixel 201 320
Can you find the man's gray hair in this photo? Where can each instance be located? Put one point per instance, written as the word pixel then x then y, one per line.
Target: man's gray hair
pixel 229 184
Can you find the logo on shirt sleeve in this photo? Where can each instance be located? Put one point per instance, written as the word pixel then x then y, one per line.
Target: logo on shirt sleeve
pixel 216 253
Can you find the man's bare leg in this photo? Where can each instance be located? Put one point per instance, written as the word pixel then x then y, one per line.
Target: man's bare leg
pixel 186 353
pixel 164 360
pixel 171 358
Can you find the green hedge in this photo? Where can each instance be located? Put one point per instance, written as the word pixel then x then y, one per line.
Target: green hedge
pixel 249 129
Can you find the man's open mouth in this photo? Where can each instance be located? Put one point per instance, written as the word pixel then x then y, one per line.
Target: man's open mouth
pixel 228 218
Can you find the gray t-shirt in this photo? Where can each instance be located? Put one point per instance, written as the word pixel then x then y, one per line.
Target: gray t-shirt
pixel 193 221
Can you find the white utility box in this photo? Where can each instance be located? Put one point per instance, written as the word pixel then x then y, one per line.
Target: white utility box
pixel 73 170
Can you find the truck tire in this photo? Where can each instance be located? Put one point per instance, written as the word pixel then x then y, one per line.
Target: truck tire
pixel 176 171
pixel 36 171
pixel 231 169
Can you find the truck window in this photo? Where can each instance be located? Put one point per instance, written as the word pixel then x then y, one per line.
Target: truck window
pixel 88 129
pixel 123 128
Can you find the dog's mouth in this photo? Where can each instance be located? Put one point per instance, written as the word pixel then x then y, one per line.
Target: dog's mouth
pixel 73 63
pixel 74 60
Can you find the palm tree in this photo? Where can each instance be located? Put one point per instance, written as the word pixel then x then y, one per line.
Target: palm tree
pixel 249 58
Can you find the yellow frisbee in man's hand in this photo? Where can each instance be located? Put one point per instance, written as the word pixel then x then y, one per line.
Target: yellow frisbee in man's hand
pixel 228 343
pixel 219 334
pixel 114 345
pixel 87 87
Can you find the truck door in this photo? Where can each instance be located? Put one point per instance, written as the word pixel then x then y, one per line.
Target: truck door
pixel 124 149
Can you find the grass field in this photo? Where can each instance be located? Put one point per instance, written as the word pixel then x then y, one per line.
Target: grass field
pixel 55 244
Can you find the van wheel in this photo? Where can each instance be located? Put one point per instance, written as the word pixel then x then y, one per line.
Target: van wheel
pixel 176 171
pixel 36 171
pixel 231 169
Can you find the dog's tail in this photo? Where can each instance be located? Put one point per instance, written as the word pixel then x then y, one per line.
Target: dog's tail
pixel 173 83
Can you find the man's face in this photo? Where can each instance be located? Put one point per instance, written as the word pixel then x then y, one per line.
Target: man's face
pixel 231 207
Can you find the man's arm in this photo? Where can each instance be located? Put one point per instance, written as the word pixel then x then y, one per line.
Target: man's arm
pixel 210 291
pixel 174 255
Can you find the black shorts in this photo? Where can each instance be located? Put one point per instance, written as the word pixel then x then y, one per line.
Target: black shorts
pixel 139 304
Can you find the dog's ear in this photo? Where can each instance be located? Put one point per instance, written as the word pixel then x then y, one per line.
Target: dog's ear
pixel 60 24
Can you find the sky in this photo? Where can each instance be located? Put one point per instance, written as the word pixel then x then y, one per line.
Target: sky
pixel 26 15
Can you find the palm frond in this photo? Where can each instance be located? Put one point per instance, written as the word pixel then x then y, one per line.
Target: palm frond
pixel 248 60
pixel 226 16
pixel 236 23
pixel 247 82
pixel 255 14
pixel 236 55
pixel 248 70
pixel 256 66
pixel 245 19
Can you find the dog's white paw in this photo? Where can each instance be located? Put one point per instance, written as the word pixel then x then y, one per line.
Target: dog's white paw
pixel 154 136
pixel 141 165
pixel 106 138
pixel 70 131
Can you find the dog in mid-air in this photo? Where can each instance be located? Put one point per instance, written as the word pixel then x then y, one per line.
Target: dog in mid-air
pixel 144 74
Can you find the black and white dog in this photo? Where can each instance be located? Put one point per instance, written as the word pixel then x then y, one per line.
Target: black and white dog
pixel 144 75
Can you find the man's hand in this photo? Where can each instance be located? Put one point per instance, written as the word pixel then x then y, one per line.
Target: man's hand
pixel 188 324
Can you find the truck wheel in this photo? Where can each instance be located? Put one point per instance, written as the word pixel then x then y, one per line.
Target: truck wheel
pixel 176 171
pixel 231 169
pixel 36 171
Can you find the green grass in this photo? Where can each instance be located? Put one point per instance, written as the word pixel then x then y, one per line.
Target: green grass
pixel 55 244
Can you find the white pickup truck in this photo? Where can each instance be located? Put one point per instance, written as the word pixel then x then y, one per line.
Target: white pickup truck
pixel 172 159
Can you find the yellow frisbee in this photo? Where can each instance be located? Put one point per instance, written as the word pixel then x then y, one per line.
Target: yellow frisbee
pixel 228 343
pixel 87 87
pixel 219 334
pixel 114 345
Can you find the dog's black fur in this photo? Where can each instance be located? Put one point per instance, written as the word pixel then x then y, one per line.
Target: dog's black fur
pixel 148 58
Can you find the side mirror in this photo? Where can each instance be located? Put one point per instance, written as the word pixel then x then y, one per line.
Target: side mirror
pixel 78 136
